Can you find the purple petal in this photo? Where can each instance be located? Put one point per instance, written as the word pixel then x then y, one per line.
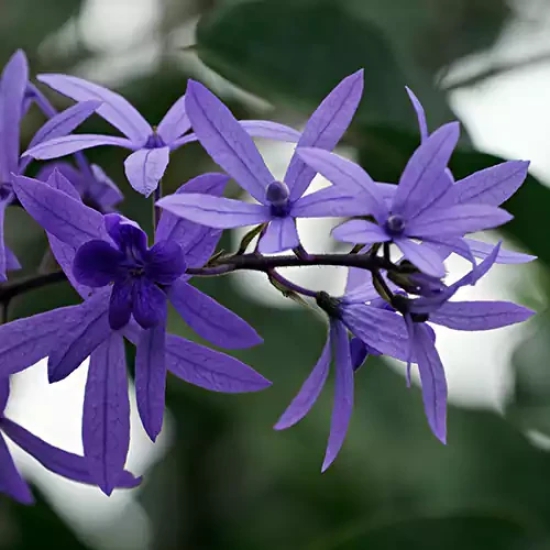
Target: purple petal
pixel 196 241
pixel 364 292
pixel 480 315
pixel 12 263
pixel 210 369
pixel 11 482
pixel 432 377
pixel 226 141
pixel 211 320
pixel 149 303
pixel 360 231
pixel 3 256
pixel 280 235
pixel 270 130
pixel 491 186
pixel 151 378
pixel 482 250
pixel 102 190
pixel 120 305
pixel 457 220
pixel 114 108
pixel 329 202
pixel 25 341
pixel 358 277
pixel 144 168
pixel 67 145
pixel 417 188
pixel 127 234
pixel 217 212
pixel 97 263
pixel 309 392
pixel 165 262
pixel 90 330
pixel 106 416
pixel 4 393
pixel 343 394
pixel 349 177
pixel 64 217
pixel 423 257
pixel 358 351
pixel 445 246
pixel 15 78
pixel 174 123
pixel 63 463
pixel 420 114
pixel 324 129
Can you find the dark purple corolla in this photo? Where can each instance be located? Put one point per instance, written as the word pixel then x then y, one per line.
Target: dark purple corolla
pixel 280 202
pixel 151 145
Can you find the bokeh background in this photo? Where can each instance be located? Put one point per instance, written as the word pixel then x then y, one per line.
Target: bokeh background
pixel 220 477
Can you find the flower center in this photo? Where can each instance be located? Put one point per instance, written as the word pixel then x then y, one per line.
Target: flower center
pixel 395 224
pixel 154 141
pixel 276 195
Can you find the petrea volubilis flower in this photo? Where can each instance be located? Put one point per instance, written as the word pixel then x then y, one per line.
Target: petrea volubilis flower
pixel 414 212
pixel 281 202
pixel 151 146
pixel 140 276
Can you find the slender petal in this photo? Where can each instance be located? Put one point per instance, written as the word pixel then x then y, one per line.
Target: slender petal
pixel 4 393
pixel 64 217
pixel 210 369
pixel 280 235
pixel 360 231
pixel 114 108
pixel 309 392
pixel 358 277
pixel 349 177
pixel 120 305
pixel 97 263
pixel 481 250
pixel 151 378
pixel 12 263
pixel 106 416
pixel 270 130
pixel 358 351
pixel 67 145
pixel 217 212
pixel 165 262
pixel 211 320
pixel 102 189
pixel 445 246
pixel 174 123
pixel 417 188
pixel 457 220
pixel 11 482
pixel 144 168
pixel 63 463
pixel 324 129
pixel 329 202
pixel 420 114
pixel 343 394
pixel 432 378
pixel 149 303
pixel 226 141
pixel 91 329
pixel 424 258
pixel 3 256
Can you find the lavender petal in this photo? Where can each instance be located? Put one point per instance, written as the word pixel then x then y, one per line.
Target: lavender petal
pixel 145 167
pixel 280 235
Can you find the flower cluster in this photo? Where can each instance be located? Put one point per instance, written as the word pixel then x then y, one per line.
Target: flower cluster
pixel 126 281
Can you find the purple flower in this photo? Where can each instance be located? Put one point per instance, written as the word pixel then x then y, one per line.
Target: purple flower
pixel 151 146
pixel 415 211
pixel 95 250
pixel 280 202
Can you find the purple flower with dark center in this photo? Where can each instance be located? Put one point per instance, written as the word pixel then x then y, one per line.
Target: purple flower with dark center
pixel 151 145
pixel 95 250
pixel 280 202
pixel 415 212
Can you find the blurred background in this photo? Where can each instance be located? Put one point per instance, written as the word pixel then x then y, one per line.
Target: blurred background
pixel 220 477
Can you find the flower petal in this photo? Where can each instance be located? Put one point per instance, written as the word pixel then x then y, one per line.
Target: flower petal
pixel 482 250
pixel 106 416
pixel 67 145
pixel 127 234
pixel 480 315
pixel 358 351
pixel 217 212
pixel 3 256
pixel 114 108
pixel 343 394
pixel 280 235
pixel 164 262
pixel 120 305
pixel 309 392
pixel 97 263
pixel 270 130
pixel 150 378
pixel 11 481
pixel 324 129
pixel 12 263
pixel 226 141
pixel 420 114
pixel 174 123
pixel 349 177
pixel 90 330
pixel 417 188
pixel 64 217
pixel 63 463
pixel 423 257
pixel 329 202
pixel 432 378
pixel 211 320
pixel 210 369
pixel 148 303
pixel 145 167
pixel 360 231
pixel 101 189
pixel 457 220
